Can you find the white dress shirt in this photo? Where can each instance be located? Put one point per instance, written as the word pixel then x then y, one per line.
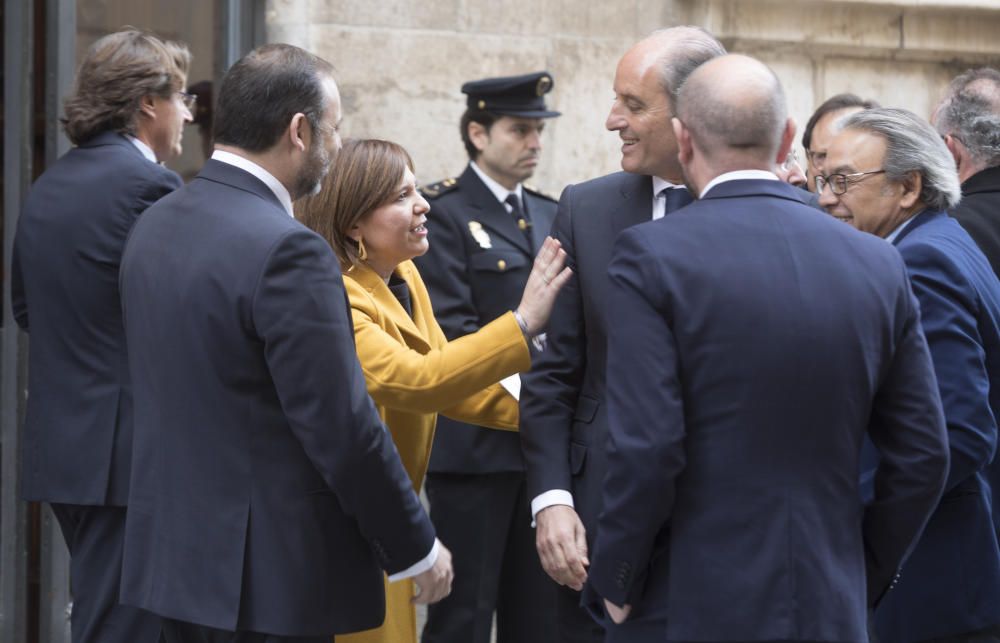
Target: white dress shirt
pixel 499 191
pixel 266 177
pixel 899 229
pixel 660 197
pixel 739 175
pixel 146 150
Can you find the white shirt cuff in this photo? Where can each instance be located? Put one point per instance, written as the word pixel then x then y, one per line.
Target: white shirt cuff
pixel 549 498
pixel 420 566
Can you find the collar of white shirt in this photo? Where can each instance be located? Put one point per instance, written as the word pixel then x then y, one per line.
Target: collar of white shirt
pixel 146 150
pixel 247 165
pixel 899 229
pixel 739 175
pixel 499 191
pixel 660 204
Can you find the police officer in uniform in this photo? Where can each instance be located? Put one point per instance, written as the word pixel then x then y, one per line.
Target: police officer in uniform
pixel 486 226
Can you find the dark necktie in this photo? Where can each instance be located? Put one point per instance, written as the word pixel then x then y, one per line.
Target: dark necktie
pixel 676 198
pixel 520 216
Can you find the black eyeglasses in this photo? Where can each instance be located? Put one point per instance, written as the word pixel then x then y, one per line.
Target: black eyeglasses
pixel 839 183
pixel 190 100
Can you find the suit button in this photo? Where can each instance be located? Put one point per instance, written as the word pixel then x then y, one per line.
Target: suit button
pixel 502 265
pixel 522 225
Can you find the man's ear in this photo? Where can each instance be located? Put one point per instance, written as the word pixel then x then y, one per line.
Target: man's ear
pixel 299 132
pixel 147 106
pixel 787 140
pixel 685 149
pixel 913 185
pixel 479 135
pixel 956 148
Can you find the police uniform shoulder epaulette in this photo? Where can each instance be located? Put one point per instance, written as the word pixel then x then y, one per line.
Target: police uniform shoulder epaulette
pixel 537 192
pixel 434 190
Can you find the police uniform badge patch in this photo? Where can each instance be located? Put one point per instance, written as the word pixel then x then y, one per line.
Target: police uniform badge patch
pixel 480 235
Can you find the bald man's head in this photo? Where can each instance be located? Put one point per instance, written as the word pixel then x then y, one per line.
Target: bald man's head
pixel 734 108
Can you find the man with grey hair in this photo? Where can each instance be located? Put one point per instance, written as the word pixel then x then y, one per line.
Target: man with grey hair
pixel 563 415
pixel 891 175
pixel 969 120
pixel 755 341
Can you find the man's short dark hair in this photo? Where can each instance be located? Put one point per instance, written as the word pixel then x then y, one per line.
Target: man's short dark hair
pixel 834 104
pixel 484 118
pixel 263 91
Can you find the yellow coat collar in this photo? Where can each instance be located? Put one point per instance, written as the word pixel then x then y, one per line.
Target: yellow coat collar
pixel 416 327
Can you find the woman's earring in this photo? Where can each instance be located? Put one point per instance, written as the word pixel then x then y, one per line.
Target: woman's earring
pixel 362 253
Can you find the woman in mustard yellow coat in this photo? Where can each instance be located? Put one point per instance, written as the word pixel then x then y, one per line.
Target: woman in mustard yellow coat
pixel 370 211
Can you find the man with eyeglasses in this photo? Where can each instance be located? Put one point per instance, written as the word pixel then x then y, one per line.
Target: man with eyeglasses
pixel 820 129
pixel 78 426
pixel 890 174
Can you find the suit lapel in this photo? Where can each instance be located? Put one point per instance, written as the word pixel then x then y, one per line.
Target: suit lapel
pixel 636 206
pixel 490 212
pixel 924 217
pixel 541 223
pixel 388 304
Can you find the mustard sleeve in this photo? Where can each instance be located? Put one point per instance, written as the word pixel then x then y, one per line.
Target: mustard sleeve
pixel 403 378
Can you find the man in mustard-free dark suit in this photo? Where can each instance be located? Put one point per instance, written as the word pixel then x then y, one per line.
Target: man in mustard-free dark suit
pixel 267 497
pixel 756 341
pixel 77 450
pixel 486 227
pixel 563 408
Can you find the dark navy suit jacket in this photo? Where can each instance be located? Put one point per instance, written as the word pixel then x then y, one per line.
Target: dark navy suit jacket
pixel 471 285
pixel 78 425
pixel 266 494
pixel 563 413
pixel 752 342
pixel 951 582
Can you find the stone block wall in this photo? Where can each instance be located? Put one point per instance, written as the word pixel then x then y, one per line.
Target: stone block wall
pixel 401 64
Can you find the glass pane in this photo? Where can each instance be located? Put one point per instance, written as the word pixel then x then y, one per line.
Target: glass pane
pixel 189 21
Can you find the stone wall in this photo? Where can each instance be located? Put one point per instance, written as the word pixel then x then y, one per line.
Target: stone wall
pixel 401 64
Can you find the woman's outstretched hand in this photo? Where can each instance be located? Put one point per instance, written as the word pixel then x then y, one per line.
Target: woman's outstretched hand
pixel 548 276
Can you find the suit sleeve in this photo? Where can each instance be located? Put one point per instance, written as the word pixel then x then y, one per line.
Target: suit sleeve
pixel 549 393
pixel 907 428
pixel 646 427
pixel 301 315
pixel 444 269
pixel 403 378
pixel 948 311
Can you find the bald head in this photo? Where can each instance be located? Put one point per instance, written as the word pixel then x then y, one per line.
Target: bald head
pixel 734 109
pixel 678 51
pixel 646 81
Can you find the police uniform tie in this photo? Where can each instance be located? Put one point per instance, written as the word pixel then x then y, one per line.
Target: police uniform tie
pixel 676 198
pixel 520 216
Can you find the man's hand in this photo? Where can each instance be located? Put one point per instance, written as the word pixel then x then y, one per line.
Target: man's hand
pixel 617 614
pixel 562 545
pixel 435 583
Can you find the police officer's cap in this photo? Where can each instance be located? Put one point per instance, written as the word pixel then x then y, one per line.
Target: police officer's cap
pixel 512 95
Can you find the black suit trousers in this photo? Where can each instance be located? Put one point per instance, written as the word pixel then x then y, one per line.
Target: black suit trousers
pixel 487 527
pixel 94 537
